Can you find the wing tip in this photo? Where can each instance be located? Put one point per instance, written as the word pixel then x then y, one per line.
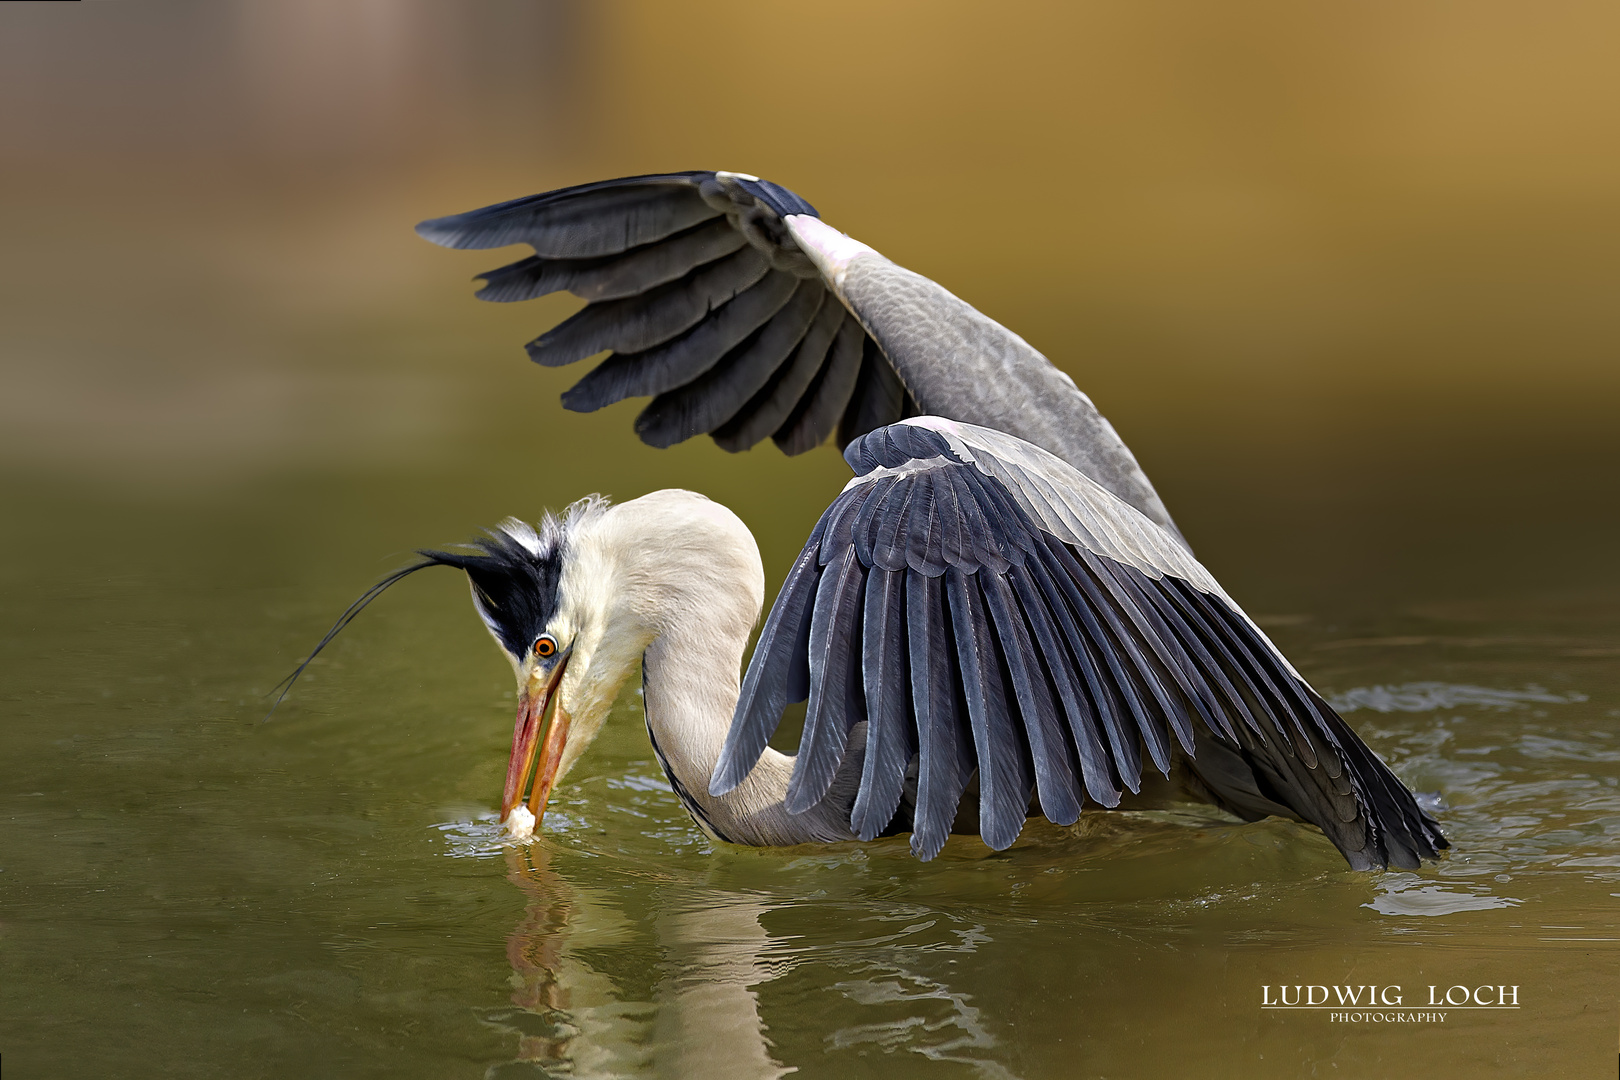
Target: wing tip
pixel 448 232
pixel 725 780
pixel 925 846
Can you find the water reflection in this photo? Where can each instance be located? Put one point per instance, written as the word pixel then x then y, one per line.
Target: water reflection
pixel 901 1002
pixel 704 1018
pixel 715 953
pixel 966 1028
pixel 569 1017
pixel 700 1014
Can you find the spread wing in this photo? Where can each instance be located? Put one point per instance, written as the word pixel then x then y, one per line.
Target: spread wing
pixel 727 300
pixel 987 609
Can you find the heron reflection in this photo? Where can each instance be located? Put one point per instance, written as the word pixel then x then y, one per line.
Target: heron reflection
pixel 996 618
pixel 704 1020
pixel 713 959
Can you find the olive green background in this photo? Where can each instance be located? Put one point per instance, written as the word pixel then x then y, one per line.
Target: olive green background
pixel 1344 276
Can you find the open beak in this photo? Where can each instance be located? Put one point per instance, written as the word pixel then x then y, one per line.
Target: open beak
pixel 526 740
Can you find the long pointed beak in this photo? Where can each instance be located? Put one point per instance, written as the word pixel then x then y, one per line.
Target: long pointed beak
pixel 526 741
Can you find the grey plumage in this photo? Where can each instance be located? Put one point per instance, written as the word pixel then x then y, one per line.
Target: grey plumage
pixel 957 362
pixel 1052 634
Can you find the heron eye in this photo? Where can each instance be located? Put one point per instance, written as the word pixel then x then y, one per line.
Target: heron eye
pixel 545 645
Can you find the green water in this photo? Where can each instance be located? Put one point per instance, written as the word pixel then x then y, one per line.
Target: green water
pixel 188 891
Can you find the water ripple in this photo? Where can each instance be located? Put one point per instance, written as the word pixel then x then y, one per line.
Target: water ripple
pixel 1409 894
pixel 1432 696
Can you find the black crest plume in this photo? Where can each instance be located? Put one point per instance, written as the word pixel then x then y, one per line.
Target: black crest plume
pixel 514 571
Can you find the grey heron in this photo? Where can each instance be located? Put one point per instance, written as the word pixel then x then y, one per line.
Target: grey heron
pixel 996 617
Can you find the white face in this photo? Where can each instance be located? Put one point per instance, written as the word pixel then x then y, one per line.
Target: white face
pixel 542 674
pixel 627 573
pixel 602 637
pixel 591 644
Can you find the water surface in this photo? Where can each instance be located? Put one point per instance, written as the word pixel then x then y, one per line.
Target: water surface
pixel 327 893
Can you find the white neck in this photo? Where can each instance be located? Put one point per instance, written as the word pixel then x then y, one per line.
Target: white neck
pixel 680 580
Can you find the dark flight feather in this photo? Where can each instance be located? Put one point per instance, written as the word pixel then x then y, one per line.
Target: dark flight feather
pixel 613 277
pixel 587 221
pixel 1004 777
pixel 945 756
pixel 890 734
pixel 1056 784
pixel 1117 662
pixel 637 323
pixel 776 400
pixel 1019 661
pixel 1096 769
pixel 707 402
pixel 682 359
pixel 827 396
pixel 680 271
pixel 1113 709
pixel 782 675
pixel 878 399
pixel 835 681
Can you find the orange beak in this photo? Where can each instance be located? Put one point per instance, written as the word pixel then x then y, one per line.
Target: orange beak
pixel 526 740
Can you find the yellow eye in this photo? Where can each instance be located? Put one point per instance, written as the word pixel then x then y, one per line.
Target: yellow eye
pixel 545 645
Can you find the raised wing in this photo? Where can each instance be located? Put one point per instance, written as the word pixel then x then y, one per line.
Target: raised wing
pixel 988 610
pixel 705 301
pixel 726 299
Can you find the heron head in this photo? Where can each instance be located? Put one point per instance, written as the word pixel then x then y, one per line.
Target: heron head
pixel 576 605
pixel 559 618
pixel 552 636
pixel 591 592
pixel 576 600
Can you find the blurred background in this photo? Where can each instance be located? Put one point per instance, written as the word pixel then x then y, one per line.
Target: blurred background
pixel 1289 249
pixel 1344 277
